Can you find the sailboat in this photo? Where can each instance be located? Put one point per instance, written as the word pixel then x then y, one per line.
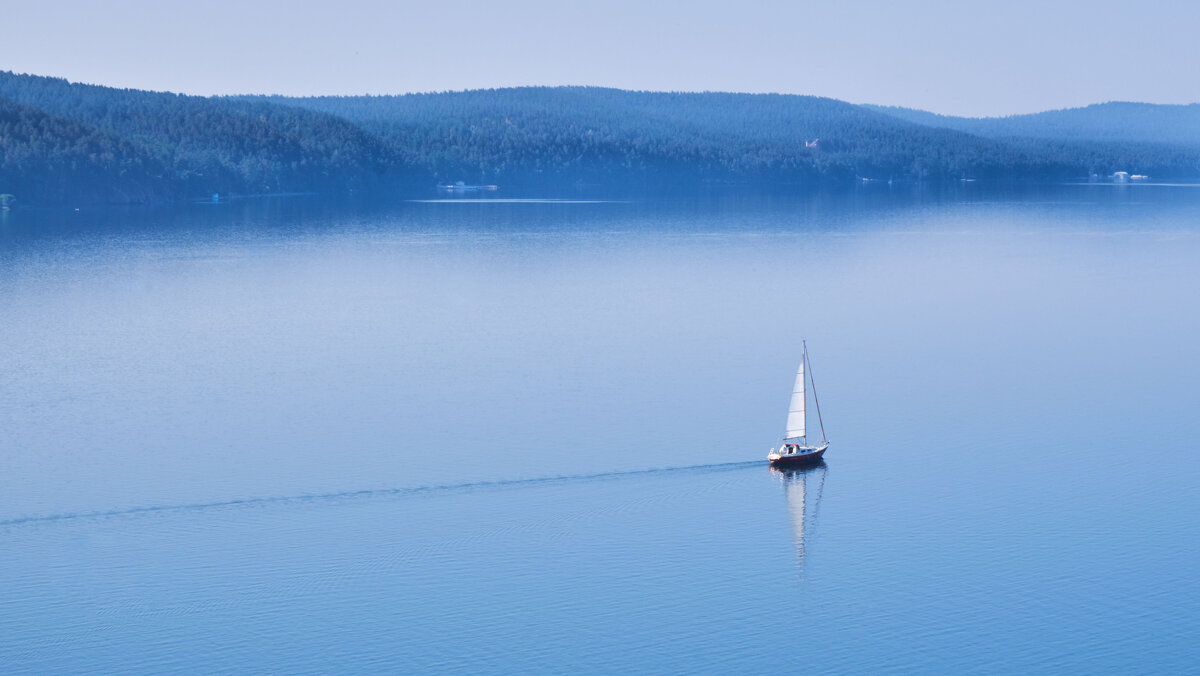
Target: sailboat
pixel 795 449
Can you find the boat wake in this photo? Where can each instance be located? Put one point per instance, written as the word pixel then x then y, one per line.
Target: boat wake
pixel 411 490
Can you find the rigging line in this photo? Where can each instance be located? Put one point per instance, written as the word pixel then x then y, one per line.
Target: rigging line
pixel 814 386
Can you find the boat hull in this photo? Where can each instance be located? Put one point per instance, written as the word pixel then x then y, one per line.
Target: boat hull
pixel 797 459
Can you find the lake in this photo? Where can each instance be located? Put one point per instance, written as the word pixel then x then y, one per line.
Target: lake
pixel 521 435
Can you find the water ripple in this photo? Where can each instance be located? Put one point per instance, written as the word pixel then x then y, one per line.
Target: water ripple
pixel 411 490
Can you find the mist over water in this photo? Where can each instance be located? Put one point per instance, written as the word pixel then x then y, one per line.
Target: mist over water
pixel 309 435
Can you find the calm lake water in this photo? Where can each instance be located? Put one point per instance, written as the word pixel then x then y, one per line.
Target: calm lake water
pixel 290 435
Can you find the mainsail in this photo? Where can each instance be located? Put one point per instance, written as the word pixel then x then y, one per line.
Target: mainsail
pixel 795 419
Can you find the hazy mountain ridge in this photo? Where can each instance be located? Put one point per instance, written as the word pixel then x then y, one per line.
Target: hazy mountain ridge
pixel 65 142
pixel 1117 122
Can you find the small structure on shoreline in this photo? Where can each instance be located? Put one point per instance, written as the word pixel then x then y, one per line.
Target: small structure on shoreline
pixel 461 186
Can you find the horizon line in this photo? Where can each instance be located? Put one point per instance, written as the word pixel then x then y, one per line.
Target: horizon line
pixel 585 86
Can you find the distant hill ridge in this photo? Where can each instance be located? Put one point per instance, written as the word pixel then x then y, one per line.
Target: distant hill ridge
pixel 62 142
pixel 1116 121
pixel 600 134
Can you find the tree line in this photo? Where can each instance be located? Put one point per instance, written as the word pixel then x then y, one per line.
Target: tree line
pixel 61 141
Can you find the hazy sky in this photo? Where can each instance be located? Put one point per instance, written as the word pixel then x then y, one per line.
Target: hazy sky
pixel 963 57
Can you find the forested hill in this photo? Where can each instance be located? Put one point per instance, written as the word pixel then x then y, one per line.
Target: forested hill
pixel 44 158
pixel 65 143
pixel 1116 122
pixel 596 134
pixel 602 135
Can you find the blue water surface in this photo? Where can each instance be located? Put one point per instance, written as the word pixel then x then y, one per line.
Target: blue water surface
pixel 307 435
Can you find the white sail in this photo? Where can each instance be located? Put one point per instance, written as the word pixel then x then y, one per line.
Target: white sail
pixel 795 419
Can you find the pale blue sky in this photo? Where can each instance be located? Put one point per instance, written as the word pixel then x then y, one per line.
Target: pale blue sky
pixel 968 58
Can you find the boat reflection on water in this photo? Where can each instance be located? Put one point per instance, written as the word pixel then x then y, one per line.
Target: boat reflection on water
pixel 803 487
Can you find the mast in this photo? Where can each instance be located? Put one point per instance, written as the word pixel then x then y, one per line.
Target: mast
pixel 814 386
